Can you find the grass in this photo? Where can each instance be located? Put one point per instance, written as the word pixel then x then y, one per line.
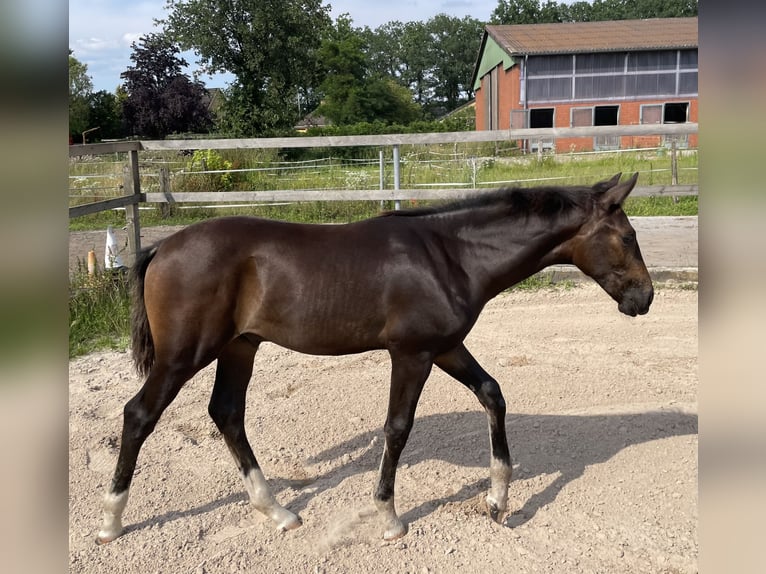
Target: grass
pixel 99 312
pixel 479 165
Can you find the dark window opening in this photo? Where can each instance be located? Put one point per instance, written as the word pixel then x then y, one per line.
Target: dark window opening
pixel 676 113
pixel 541 118
pixel 605 115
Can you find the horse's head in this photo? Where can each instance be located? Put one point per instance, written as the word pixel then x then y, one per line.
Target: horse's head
pixel 606 249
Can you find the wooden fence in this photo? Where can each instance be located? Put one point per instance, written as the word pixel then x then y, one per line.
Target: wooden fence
pixel 135 196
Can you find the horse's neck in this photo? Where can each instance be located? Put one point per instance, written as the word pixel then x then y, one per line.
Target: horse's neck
pixel 499 251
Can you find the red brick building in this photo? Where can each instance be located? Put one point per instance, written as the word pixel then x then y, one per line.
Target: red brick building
pixel 623 72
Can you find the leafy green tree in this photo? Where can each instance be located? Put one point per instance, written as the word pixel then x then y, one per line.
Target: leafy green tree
pixel 516 12
pixel 633 9
pixel 434 59
pixel 105 112
pixel 161 99
pixel 80 89
pixel 454 45
pixel 418 61
pixel 535 12
pixel 269 46
pixel 353 94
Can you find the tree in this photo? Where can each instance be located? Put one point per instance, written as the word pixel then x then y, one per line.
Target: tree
pixel 516 12
pixel 269 46
pixel 105 112
pixel 434 59
pixel 353 94
pixel 454 45
pixel 161 99
pixel 535 12
pixel 80 88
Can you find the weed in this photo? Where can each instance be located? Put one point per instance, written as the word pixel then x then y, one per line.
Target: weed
pixel 99 311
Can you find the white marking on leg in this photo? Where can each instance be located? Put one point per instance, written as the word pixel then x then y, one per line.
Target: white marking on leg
pixel 393 527
pixel 264 501
pixel 497 498
pixel 111 526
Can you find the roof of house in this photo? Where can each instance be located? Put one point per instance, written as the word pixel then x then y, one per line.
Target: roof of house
pixel 606 36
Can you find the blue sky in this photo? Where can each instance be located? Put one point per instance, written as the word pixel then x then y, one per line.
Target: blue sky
pixel 101 31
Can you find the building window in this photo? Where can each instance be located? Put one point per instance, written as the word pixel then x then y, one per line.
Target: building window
pixel 651 113
pixel 606 116
pixel 676 113
pixel 667 113
pixel 670 112
pixel 611 75
pixel 541 118
pixel 581 117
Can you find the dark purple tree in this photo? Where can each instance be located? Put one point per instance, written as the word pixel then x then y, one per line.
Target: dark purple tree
pixel 161 99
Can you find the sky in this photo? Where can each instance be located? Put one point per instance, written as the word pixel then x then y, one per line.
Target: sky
pixel 102 31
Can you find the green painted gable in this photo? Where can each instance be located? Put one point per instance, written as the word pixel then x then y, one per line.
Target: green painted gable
pixel 491 55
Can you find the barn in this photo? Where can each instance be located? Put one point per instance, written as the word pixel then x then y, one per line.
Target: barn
pixel 573 74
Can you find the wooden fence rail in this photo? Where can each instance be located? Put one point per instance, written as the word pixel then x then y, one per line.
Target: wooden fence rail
pixel 135 196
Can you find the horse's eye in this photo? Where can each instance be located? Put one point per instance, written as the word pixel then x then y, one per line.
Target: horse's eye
pixel 629 238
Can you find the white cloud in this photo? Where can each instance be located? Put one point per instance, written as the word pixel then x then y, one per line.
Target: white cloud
pixel 129 37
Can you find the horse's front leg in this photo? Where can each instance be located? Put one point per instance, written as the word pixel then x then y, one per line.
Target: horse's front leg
pixel 461 365
pixel 408 375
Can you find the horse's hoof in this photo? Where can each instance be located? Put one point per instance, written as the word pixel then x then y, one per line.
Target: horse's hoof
pixel 106 537
pixel 495 512
pixel 290 523
pixel 395 531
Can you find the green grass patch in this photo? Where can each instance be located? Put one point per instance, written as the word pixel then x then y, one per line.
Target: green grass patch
pixel 99 312
pixel 543 280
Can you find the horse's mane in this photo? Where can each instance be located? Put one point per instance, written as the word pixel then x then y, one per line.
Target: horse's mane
pixel 543 201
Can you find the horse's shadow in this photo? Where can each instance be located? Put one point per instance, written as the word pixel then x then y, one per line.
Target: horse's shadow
pixel 540 445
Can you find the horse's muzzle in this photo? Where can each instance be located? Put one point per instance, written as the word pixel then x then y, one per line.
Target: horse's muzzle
pixel 636 301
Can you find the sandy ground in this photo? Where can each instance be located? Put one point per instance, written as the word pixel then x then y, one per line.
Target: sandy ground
pixel 602 424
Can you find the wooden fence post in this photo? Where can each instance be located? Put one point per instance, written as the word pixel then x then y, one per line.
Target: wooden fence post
pixel 673 162
pixel 397 176
pixel 168 208
pixel 133 186
pixel 382 170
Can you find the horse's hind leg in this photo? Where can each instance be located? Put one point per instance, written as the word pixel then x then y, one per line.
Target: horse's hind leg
pixel 461 365
pixel 227 409
pixel 140 416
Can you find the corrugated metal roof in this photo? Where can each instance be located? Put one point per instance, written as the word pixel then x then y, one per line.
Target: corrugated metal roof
pixel 607 36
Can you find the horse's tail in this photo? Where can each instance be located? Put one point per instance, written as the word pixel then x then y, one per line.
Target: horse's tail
pixel 140 334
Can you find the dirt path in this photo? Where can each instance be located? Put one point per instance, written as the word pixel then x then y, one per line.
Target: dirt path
pixel 601 421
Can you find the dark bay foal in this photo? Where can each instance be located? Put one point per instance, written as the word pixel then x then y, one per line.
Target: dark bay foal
pixel 412 282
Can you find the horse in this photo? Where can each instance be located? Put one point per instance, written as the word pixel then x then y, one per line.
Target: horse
pixel 412 282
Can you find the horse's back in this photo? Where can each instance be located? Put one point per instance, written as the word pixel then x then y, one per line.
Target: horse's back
pixel 320 289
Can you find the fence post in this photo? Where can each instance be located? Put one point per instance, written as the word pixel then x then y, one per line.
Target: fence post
pixel 168 208
pixel 382 166
pixel 397 178
pixel 673 162
pixel 132 186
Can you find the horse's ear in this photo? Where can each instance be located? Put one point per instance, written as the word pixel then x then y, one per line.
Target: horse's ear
pixel 616 193
pixel 602 186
